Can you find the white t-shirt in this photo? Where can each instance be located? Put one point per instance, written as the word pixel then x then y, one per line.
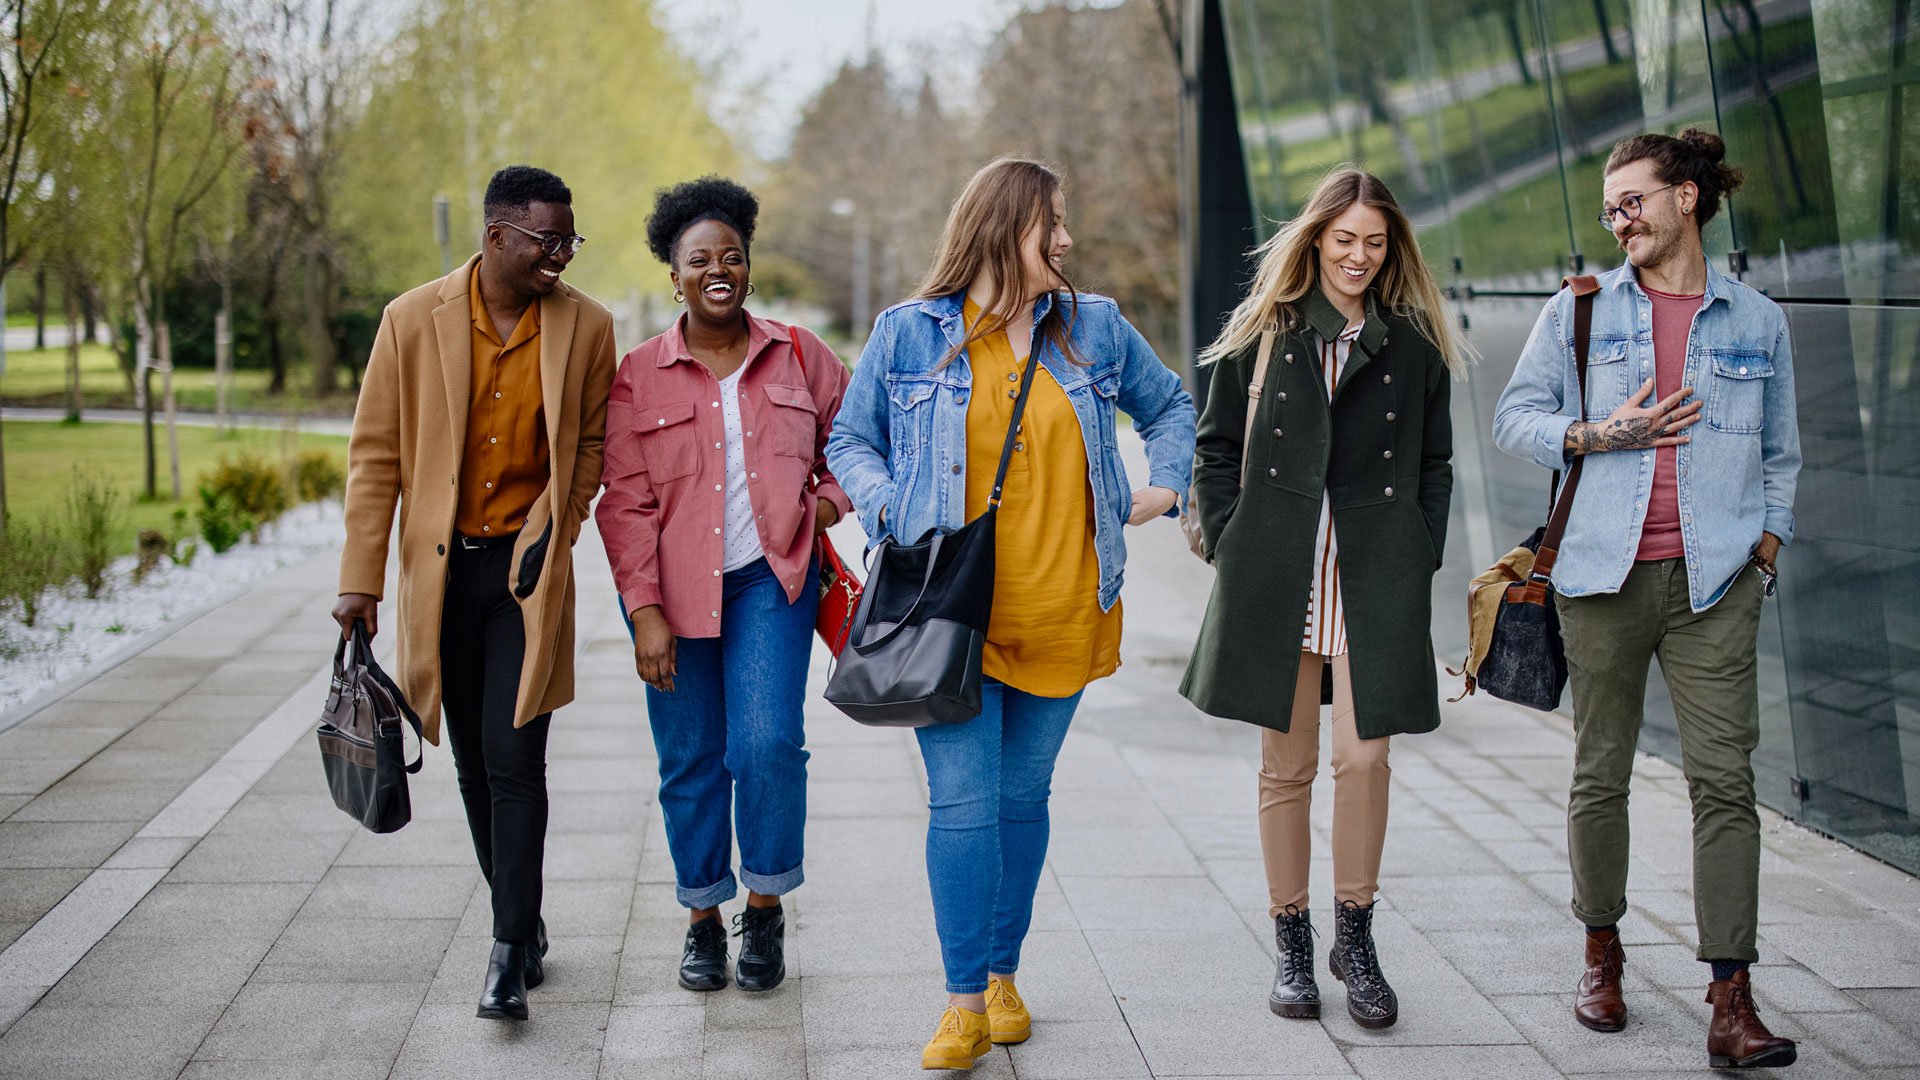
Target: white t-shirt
pixel 742 534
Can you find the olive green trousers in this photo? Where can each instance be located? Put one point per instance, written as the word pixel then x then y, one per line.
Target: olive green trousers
pixel 1708 660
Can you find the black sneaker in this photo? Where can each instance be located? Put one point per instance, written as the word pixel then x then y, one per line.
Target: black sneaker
pixel 1294 991
pixel 763 947
pixel 704 964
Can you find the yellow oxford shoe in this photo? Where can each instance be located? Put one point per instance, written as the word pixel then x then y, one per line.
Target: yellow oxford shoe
pixel 960 1041
pixel 1008 1020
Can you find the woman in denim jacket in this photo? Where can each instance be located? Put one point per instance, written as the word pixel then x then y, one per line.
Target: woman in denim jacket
pixel 915 445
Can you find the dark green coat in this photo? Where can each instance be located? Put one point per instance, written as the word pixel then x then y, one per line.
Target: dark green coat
pixel 1384 450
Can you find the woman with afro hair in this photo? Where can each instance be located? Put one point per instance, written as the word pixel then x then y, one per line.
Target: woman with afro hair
pixel 716 487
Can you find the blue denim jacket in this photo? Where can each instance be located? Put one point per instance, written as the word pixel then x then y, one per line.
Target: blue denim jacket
pixel 899 443
pixel 1737 475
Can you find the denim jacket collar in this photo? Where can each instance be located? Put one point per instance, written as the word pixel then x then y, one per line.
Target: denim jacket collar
pixel 1626 274
pixel 950 310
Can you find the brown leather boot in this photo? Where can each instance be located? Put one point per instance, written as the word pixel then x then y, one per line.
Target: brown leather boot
pixel 1737 1039
pixel 1597 1001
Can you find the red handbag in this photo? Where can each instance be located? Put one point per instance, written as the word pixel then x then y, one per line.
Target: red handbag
pixel 839 589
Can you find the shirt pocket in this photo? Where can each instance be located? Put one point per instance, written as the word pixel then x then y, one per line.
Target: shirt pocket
pixel 910 415
pixel 1608 373
pixel 667 441
pixel 790 423
pixel 1736 396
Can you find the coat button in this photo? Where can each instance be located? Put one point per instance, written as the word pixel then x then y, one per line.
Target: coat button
pixel 1388 455
pixel 1277 433
pixel 1273 472
pixel 1283 395
pixel 1390 418
pixel 1289 358
pixel 956 470
pixel 1389 493
pixel 440 549
pixel 1388 379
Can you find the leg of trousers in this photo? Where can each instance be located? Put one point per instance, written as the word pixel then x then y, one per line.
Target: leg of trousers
pixel 502 769
pixel 1361 783
pixel 732 743
pixel 988 782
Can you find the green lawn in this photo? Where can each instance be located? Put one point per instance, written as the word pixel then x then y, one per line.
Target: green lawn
pixel 39 378
pixel 41 458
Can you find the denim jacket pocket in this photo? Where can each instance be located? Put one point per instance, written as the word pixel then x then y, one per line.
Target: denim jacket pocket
pixel 667 439
pixel 1736 398
pixel 1609 378
pixel 790 423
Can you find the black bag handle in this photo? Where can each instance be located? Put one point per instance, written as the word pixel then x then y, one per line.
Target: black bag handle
pixel 926 582
pixel 1584 288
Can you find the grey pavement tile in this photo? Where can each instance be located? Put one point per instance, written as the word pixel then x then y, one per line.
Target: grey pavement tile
pixel 653 1042
pixel 1435 901
pixel 1847 955
pixel 1060 978
pixel 222 708
pixel 25 895
pixel 599 811
pixel 314 1022
pixel 28 845
pixel 185 913
pixel 647 979
pixel 1088 809
pixel 1242 1038
pixel 1499 961
pixel 734 1009
pixel 232 680
pixel 10 803
pixel 128 1041
pixel 14 1003
pixel 259 857
pixel 1438 1006
pixel 11 931
pixel 1220 836
pixel 1899 1005
pixel 79 798
pixel 1794 896
pixel 1078 1050
pixel 357 950
pixel 420 892
pixel 1137 965
pixel 122 969
pixel 1426 852
pixel 180 645
pixel 883 797
pixel 1155 851
pixel 872 1063
pixel 116 686
pixel 114 765
pixel 113 715
pixel 754 1053
pixel 1496 825
pixel 265 813
pixel 590 856
pixel 1861 1037
pixel 72 742
pixel 1660 1035
pixel 602 774
pixel 164 734
pixel 1792 988
pixel 1189 798
pixel 580 969
pixel 1139 903
pixel 894 1012
pixel 560 1041
pixel 338 1069
pixel 31 776
pixel 1450 1063
pixel 439 843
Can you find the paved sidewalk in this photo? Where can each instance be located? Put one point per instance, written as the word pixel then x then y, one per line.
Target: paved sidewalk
pixel 178 897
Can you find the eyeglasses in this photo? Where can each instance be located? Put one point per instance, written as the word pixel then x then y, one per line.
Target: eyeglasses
pixel 1629 208
pixel 551 243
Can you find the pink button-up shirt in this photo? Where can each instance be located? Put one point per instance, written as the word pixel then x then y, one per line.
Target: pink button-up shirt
pixel 664 508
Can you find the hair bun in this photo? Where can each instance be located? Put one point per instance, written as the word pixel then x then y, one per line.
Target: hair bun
pixel 1712 146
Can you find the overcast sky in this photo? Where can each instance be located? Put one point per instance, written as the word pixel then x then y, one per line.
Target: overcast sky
pixel 787 49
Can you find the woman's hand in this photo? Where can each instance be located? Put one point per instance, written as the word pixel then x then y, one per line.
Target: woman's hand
pixel 655 653
pixel 826 517
pixel 1150 503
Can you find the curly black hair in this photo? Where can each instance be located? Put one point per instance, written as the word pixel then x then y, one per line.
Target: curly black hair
pixel 515 187
pixel 710 198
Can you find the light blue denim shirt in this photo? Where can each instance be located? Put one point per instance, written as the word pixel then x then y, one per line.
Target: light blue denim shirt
pixel 1737 475
pixel 899 442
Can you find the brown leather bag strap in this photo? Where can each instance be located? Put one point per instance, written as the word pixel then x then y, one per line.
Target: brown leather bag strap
pixel 1255 386
pixel 1584 287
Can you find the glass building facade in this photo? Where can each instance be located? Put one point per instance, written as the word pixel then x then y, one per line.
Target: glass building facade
pixel 1490 119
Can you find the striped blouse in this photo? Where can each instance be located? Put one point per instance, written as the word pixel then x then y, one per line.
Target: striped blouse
pixel 1326 629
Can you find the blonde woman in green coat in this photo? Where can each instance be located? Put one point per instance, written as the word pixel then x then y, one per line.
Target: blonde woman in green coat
pixel 1338 530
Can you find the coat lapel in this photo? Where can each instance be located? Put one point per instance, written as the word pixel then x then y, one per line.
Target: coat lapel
pixel 453 330
pixel 558 313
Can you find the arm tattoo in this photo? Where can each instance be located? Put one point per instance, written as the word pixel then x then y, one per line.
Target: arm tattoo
pixel 1632 433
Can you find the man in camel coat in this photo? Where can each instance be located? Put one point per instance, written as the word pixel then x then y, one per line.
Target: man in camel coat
pixel 494 380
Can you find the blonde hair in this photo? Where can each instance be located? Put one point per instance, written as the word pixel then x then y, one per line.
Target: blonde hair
pixel 1289 270
pixel 997 208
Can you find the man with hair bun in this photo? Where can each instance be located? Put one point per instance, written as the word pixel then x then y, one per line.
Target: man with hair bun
pixel 1669 552
pixel 495 380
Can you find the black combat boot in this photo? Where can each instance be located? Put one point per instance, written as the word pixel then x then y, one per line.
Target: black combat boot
pixel 1370 1001
pixel 1294 991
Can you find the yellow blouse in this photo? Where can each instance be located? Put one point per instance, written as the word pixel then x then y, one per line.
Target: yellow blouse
pixel 1047 635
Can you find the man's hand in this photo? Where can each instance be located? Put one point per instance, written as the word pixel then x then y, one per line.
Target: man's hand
pixel 1767 550
pixel 826 517
pixel 655 652
pixel 1632 427
pixel 1150 503
pixel 360 606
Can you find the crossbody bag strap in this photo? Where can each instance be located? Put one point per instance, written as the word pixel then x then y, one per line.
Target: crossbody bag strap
pixel 793 338
pixel 1013 427
pixel 1255 386
pixel 1584 287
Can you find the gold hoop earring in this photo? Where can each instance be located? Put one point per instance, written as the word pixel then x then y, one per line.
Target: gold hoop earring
pixel 749 288
pixel 678 297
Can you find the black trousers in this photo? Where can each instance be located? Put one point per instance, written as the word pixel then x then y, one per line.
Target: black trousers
pixel 502 769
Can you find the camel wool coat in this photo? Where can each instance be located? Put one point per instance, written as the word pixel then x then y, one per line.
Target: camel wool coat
pixel 409 430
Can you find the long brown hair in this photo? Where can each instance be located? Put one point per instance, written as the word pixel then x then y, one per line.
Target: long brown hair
pixel 1005 199
pixel 1289 270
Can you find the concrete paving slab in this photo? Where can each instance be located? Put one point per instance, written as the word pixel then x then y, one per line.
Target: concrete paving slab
pixel 1450 1063
pixel 357 950
pixel 314 1022
pixel 448 1041
pixel 130 1041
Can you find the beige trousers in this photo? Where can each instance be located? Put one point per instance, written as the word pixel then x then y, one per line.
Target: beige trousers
pixel 1288 763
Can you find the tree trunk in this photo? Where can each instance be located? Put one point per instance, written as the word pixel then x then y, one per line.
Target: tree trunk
pixel 166 382
pixel 318 337
pixel 1511 14
pixel 1606 31
pixel 89 309
pixel 73 351
pixel 39 307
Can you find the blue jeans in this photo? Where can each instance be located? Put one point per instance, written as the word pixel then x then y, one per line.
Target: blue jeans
pixel 988 781
pixel 732 743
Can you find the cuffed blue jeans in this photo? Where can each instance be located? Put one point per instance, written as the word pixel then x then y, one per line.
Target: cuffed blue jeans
pixel 732 743
pixel 988 781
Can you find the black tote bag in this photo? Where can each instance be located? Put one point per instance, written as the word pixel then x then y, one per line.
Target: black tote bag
pixel 1526 661
pixel 913 654
pixel 362 738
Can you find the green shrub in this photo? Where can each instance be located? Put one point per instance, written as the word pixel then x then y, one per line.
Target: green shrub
pixel 152 547
pixel 30 561
pixel 316 475
pixel 222 522
pixel 256 489
pixel 93 515
pixel 182 545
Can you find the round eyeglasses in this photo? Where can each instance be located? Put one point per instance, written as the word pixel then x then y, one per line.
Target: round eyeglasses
pixel 1629 208
pixel 551 243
